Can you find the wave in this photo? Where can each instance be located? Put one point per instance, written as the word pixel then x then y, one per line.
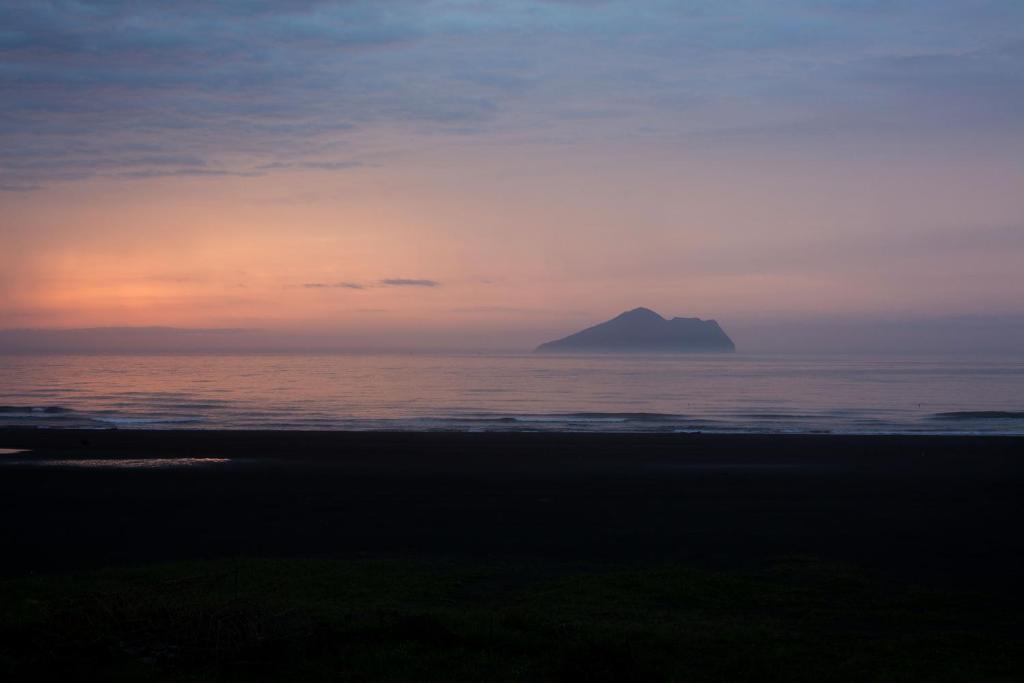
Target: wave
pixel 205 415
pixel 65 417
pixel 129 406
pixel 561 417
pixel 980 415
pixel 625 417
pixel 557 418
pixel 34 410
pixel 782 416
pixel 149 420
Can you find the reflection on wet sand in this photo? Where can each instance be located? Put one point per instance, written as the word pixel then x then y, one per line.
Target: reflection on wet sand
pixel 125 463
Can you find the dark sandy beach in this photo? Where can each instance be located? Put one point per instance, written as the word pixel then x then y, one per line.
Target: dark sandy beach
pixel 941 507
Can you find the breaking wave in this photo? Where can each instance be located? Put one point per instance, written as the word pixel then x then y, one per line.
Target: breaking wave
pixel 980 415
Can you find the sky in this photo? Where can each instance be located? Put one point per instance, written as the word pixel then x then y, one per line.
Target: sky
pixel 398 173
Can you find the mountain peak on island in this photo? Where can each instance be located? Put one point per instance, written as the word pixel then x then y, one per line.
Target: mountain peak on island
pixel 642 330
pixel 640 313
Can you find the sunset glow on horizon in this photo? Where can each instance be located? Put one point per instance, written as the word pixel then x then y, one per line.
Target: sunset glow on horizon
pixel 463 168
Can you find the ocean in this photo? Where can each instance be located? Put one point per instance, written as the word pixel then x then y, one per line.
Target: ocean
pixel 684 393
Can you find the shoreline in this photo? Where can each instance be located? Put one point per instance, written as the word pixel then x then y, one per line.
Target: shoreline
pixel 48 437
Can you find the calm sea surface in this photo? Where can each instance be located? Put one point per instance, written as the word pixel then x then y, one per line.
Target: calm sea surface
pixel 715 393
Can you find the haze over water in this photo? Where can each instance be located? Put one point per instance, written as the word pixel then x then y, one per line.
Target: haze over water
pixel 712 393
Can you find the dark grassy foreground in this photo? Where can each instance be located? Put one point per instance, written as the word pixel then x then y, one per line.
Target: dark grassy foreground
pixel 311 620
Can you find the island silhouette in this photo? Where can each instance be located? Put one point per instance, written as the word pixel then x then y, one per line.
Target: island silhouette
pixel 641 330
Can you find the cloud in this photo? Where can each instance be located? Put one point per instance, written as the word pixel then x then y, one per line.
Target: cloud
pixel 407 282
pixel 119 89
pixel 388 282
pixel 318 165
pixel 332 165
pixel 334 285
pixel 241 85
pixel 180 172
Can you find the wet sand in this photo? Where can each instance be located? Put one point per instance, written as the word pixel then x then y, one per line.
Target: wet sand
pixel 944 509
